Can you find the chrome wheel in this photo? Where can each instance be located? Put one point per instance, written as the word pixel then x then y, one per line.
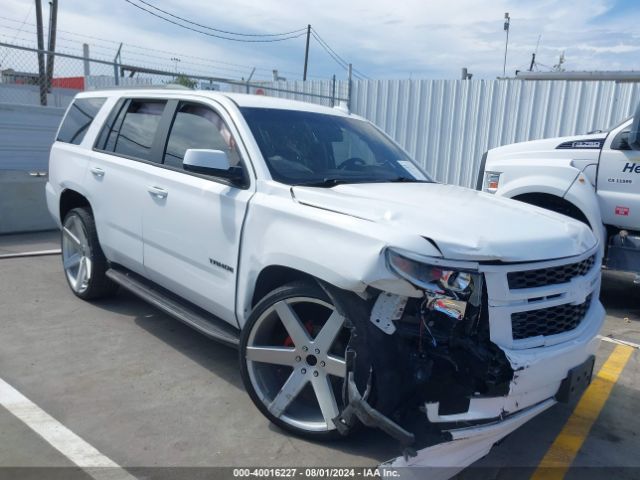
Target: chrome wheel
pixel 295 362
pixel 76 254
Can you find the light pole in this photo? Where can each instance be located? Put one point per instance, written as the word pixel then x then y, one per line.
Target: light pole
pixel 507 19
pixel 175 61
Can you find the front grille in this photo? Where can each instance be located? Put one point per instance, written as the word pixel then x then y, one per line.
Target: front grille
pixel 548 321
pixel 549 276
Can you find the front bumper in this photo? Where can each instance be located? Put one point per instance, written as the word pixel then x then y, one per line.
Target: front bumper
pixel 538 373
pixel 467 445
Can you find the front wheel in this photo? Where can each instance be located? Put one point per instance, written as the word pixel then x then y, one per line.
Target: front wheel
pixel 292 359
pixel 82 258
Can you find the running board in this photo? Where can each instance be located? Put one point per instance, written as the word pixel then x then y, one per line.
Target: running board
pixel 169 303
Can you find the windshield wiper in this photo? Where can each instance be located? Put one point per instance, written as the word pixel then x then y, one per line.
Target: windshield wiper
pixel 325 182
pixel 406 180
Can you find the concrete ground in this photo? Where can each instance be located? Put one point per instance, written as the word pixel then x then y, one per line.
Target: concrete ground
pixel 147 391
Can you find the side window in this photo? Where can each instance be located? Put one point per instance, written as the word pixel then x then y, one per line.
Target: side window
pixel 78 119
pixel 133 130
pixel 197 126
pixel 621 141
pixel 351 146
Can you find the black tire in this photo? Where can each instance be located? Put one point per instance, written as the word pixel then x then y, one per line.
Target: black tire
pixel 98 284
pixel 309 289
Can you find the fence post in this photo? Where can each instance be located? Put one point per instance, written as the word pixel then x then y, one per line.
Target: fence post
pixel 115 66
pixel 349 88
pixel 86 64
pixel 333 91
pixel 249 78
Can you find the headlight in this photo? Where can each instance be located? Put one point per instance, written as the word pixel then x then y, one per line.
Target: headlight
pixel 447 289
pixel 491 182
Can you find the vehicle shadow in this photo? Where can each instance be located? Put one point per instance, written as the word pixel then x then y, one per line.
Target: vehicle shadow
pixel 620 296
pixel 222 361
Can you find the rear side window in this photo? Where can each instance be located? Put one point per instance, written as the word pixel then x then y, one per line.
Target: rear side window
pixel 78 119
pixel 133 131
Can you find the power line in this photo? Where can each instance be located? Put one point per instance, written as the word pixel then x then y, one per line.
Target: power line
pixel 213 34
pixel 333 54
pixel 141 48
pixel 19 30
pixel 218 30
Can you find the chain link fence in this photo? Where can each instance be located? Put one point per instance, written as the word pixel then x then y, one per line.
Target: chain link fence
pixel 24 79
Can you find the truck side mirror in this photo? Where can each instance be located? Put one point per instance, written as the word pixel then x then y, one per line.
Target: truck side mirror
pixel 211 162
pixel 634 135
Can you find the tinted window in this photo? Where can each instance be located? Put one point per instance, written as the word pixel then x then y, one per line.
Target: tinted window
pixel 134 130
pixel 322 149
pixel 197 126
pixel 78 119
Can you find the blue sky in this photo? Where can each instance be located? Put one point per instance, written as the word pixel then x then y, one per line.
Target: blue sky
pixel 383 39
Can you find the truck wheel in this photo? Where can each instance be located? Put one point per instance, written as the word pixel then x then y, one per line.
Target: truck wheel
pixel 82 258
pixel 292 359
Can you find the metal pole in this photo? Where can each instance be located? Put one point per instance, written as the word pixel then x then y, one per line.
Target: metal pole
pixel 115 66
pixel 41 70
pixel 306 54
pixel 507 20
pixel 249 79
pixel 333 91
pixel 349 88
pixel 53 21
pixel 86 55
pixel 533 62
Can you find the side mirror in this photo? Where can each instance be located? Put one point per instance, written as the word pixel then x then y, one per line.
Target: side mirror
pixel 634 135
pixel 211 162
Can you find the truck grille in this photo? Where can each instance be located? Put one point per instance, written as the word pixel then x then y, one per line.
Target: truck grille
pixel 549 276
pixel 548 321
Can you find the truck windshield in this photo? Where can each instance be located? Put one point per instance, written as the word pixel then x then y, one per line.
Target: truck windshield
pixel 307 148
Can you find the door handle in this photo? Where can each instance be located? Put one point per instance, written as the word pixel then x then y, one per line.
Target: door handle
pixel 157 192
pixel 97 171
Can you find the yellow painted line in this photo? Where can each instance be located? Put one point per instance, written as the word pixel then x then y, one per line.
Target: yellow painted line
pixel 567 444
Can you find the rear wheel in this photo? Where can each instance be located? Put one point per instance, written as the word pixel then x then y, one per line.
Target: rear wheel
pixel 292 356
pixel 82 258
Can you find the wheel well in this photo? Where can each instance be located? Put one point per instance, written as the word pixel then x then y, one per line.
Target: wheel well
pixel 553 203
pixel 71 199
pixel 273 277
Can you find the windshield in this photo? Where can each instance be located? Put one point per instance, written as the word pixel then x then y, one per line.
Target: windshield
pixel 306 148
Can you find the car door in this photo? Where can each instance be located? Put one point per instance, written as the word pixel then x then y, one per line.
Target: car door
pixel 619 181
pixel 124 153
pixel 193 222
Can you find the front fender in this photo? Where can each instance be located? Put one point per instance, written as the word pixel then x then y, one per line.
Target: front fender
pixel 339 249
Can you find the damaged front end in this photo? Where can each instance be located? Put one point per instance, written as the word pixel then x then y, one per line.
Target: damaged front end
pixel 408 353
pixel 427 369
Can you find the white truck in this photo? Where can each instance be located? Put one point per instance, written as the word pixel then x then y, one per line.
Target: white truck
pixel 593 178
pixel 356 289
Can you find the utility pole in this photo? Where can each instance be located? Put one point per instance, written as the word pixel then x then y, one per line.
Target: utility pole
pixel 53 21
pixel 507 20
pixel 41 70
pixel 306 54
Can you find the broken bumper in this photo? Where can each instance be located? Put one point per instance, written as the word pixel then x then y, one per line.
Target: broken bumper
pixel 467 445
pixel 538 373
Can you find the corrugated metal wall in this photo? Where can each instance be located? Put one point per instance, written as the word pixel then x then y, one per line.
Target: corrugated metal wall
pixel 448 124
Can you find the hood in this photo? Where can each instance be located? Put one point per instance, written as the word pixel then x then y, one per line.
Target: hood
pixel 588 146
pixel 465 224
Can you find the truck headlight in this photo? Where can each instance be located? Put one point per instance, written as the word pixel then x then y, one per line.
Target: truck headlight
pixel 491 182
pixel 457 286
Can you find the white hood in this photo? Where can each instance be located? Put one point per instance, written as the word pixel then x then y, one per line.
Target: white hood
pixel 464 224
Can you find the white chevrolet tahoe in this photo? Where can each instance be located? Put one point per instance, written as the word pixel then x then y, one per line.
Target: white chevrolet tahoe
pixel 593 178
pixel 356 289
